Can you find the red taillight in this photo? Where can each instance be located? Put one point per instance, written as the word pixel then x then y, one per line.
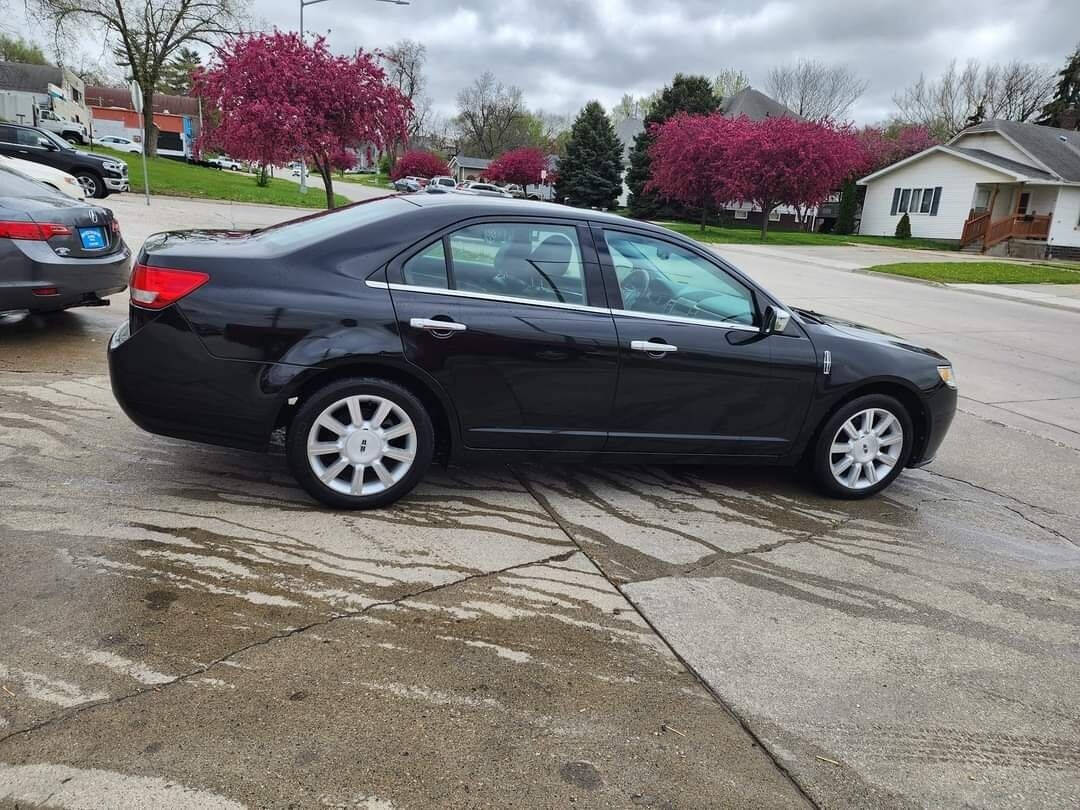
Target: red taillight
pixel 35 231
pixel 157 287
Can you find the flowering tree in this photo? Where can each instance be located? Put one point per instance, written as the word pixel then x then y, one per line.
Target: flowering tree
pixel 279 97
pixel 884 147
pixel 418 163
pixel 342 159
pixel 522 166
pixel 772 162
pixel 687 159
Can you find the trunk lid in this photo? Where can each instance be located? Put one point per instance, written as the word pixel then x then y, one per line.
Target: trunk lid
pixel 93 229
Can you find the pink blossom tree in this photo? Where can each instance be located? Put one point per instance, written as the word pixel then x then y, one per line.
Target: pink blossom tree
pixel 522 166
pixel 279 97
pixel 419 163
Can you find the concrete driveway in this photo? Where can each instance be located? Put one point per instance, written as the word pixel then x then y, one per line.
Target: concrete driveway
pixel 184 628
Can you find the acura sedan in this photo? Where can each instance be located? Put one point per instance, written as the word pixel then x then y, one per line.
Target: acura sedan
pixel 398 330
pixel 56 252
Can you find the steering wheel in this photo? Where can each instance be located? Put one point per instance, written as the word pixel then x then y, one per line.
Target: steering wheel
pixel 634 286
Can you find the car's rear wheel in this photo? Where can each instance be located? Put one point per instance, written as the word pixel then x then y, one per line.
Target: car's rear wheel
pixel 92 184
pixel 863 446
pixel 360 443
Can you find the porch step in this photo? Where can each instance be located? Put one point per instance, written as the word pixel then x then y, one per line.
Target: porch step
pixel 973 247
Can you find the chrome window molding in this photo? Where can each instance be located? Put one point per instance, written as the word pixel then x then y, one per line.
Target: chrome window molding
pixel 509 299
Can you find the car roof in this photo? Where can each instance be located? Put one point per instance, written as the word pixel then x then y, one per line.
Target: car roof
pixel 476 206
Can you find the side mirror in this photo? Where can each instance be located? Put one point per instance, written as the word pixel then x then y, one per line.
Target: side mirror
pixel 45 143
pixel 775 321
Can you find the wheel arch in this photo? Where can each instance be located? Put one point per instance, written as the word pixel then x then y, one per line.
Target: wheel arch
pixel 904 394
pixel 443 417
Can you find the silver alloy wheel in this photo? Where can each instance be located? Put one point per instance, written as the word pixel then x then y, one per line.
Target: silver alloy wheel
pixel 361 445
pixel 89 184
pixel 866 448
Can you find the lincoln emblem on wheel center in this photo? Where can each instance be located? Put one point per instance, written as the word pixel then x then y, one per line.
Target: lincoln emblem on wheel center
pixel 391 333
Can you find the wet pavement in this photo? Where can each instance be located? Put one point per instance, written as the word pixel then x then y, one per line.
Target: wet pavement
pixel 184 628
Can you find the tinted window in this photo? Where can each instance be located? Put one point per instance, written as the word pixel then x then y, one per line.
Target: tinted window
pixel 659 277
pixel 519 260
pixel 427 268
pixel 7 135
pixel 28 137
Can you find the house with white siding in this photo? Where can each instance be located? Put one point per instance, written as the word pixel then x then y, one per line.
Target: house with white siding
pixel 998 187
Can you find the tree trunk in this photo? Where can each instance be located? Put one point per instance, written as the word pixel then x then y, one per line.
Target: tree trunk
pixel 704 211
pixel 326 171
pixel 149 129
pixel 766 209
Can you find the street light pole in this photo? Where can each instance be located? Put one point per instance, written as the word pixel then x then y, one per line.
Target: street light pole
pixel 303 158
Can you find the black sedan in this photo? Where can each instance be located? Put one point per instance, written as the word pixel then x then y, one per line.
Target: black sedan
pixel 393 331
pixel 56 252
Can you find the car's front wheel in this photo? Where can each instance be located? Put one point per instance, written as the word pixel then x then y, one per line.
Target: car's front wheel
pixel 863 446
pixel 360 443
pixel 92 184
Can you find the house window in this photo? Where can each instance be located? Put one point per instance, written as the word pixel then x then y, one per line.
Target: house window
pixel 740 214
pixel 982 199
pixel 916 201
pixel 774 215
pixel 1025 200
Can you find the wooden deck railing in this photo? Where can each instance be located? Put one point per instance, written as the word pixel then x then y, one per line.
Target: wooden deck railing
pixel 1018 226
pixel 974 228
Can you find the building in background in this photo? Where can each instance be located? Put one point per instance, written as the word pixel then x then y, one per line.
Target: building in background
pixel 177 118
pixel 45 96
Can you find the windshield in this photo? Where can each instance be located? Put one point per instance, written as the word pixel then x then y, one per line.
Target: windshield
pixel 60 142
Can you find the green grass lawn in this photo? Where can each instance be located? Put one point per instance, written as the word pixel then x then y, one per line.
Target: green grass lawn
pixel 752 236
pixel 982 272
pixel 185 180
pixel 374 180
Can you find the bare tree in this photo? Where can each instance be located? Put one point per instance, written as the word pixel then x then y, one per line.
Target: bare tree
pixel 490 115
pixel 960 97
pixel 629 106
pixel 144 34
pixel 730 81
pixel 405 69
pixel 814 90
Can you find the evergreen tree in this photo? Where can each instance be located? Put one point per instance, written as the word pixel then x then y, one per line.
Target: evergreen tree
pixel 903 228
pixel 692 94
pixel 1064 108
pixel 590 175
pixel 849 202
pixel 176 74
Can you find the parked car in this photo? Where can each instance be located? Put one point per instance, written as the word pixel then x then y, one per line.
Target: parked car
pixel 406 184
pixel 443 180
pixel 514 190
pixel 100 175
pixel 54 178
pixel 226 162
pixel 384 332
pixel 56 252
pixel 119 143
pixel 486 189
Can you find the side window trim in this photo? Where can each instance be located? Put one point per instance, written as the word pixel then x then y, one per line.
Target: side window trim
pixel 614 294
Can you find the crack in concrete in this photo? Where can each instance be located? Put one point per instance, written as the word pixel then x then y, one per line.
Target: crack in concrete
pixel 281 636
pixel 742 723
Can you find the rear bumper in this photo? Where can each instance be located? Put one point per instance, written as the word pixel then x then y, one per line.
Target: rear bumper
pixel 168 383
pixel 940 409
pixel 78 282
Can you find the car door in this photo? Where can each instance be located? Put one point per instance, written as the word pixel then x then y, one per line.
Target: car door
pixel 697 374
pixel 9 141
pixel 29 147
pixel 510 318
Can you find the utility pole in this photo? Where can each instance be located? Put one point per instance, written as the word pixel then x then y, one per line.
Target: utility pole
pixel 303 158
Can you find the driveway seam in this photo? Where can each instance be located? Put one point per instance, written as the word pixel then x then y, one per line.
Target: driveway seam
pixel 546 506
pixel 352 614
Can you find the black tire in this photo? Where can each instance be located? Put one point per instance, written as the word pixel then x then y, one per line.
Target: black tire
pixel 92 183
pixel 822 454
pixel 311 409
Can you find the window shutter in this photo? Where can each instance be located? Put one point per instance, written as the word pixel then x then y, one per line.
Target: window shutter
pixel 937 199
pixel 895 201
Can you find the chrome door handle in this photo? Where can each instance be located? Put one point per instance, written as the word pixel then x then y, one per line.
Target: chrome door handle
pixel 652 347
pixel 433 326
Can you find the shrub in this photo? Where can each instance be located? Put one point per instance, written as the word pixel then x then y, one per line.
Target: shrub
pixel 903 228
pixel 386 164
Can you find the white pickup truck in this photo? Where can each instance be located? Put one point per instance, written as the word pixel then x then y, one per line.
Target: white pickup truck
pixel 71 131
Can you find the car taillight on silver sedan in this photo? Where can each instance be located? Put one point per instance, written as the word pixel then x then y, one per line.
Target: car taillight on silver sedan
pixel 157 287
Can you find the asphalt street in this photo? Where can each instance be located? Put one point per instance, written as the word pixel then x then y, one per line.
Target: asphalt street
pixel 184 628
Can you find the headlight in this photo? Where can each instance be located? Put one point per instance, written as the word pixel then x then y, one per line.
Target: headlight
pixel 947 376
pixel 111 166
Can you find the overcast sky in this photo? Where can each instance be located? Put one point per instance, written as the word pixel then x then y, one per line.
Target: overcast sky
pixel 564 52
